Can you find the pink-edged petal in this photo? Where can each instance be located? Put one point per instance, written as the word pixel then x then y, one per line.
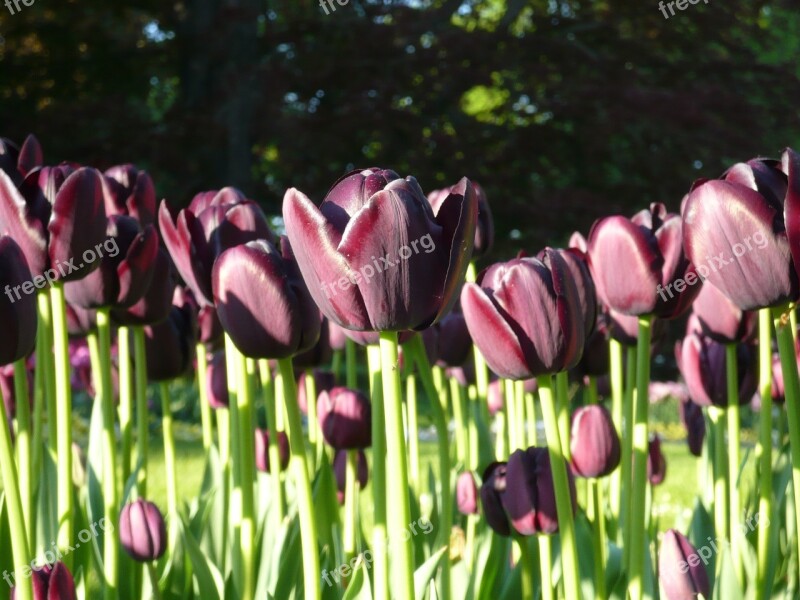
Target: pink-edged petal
pixel 30 155
pixel 30 235
pixel 135 273
pixel 790 163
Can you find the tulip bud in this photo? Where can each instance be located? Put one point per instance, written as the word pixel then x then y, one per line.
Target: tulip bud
pixel 142 531
pixel 129 191
pixel 721 319
pixel 492 493
pixel 217 381
pixel 484 229
pixel 17 314
pixel 169 345
pixel 319 354
pixel 453 344
pixel 262 450
pixel 345 417
pixel 681 572
pixel 692 418
pixel 155 305
pixel 467 494
pixel 340 471
pixel 656 463
pixel 51 582
pixel 18 162
pixel 594 443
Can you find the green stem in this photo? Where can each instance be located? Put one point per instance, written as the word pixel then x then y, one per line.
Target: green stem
pixel 627 450
pixel 350 505
pixel 640 446
pixel 350 359
pixel 558 465
pixel 202 395
pixel 63 421
pixel 511 415
pixel 733 456
pixel 720 473
pixel 526 566
pixel 599 537
pixel 786 348
pixel 546 566
pixel 170 466
pixel 272 429
pixel 522 417
pixel 461 423
pixel 23 406
pixel 562 404
pixel 142 413
pixel 45 362
pixel 379 532
pixel 125 400
pixel 151 571
pixel 244 398
pixel 474 416
pixel 763 587
pixel 336 365
pixel 413 433
pixel 314 433
pixel 233 459
pixel 617 393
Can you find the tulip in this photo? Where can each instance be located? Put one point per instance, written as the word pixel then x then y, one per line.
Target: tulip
pixel 496 396
pixel 336 336
pixel 721 319
pixel 169 345
pixel 484 229
pixel 319 354
pixel 129 191
pixel 529 498
pixel 656 463
pixel 142 531
pixel 701 361
pixel 156 303
pixel 262 302
pixel 376 256
pixel 324 381
pixel 217 381
pixel 594 444
pixel 467 494
pixel 493 491
pixel 51 582
pixel 18 162
pixel 639 266
pixel 81 321
pixel 692 418
pixel 262 450
pixel 340 472
pixel 576 240
pixel 18 314
pixel 578 265
pixel 453 343
pixel 213 222
pixel 345 416
pixel 595 359
pixel 681 571
pixel 525 316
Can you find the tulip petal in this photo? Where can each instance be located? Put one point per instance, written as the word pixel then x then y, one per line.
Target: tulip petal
pixel 791 166
pixel 18 312
pixel 136 272
pixel 29 234
pixel 30 155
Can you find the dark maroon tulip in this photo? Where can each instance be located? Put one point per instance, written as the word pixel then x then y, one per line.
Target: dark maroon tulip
pixel 371 338
pixel 155 305
pixel 345 416
pixel 211 332
pixel 530 498
pixel 484 229
pixel 375 256
pixel 578 265
pixel 735 227
pixel 126 265
pixel 217 381
pixel 324 381
pixel 262 450
pixel 453 342
pixel 142 532
pixel 319 354
pixel 623 328
pixel 80 321
pixel 525 316
pixel 336 336
pixel 692 418
pixel 639 266
pixel 340 471
pixel 701 361
pixel 129 191
pixel 17 310
pixel 721 319
pixel 656 462
pixel 213 222
pixel 681 570
pixel 169 345
pixel 594 443
pixel 263 303
pixel 18 162
pixel 467 494
pixel 595 359
pixel 51 582
pixel 493 491
pixel 496 396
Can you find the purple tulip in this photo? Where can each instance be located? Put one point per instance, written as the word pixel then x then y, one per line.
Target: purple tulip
pixel 467 494
pixel 129 191
pixel 336 336
pixel 345 418
pixel 375 256
pixel 18 162
pixel 263 303
pixel 656 462
pixel 340 471
pixel 51 582
pixel 578 264
pixel 155 305
pixel 681 570
pixel 320 353
pixel 576 240
pixel 525 316
pixel 692 418
pixel 217 381
pixel 324 381
pixel 639 266
pixel 262 450
pixel 659 391
pixel 495 396
pixel 453 342
pixel 169 345
pixel 80 321
pixel 721 319
pixel 493 491
pixel 595 361
pixel 594 443
pixel 142 532
pixel 213 222
pixel 18 315
pixel 484 229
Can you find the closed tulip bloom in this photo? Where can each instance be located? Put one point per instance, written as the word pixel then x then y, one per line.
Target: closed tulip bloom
pixel 525 316
pixel 467 494
pixel 656 462
pixel 324 381
pixel 701 361
pixel 340 472
pixel 637 262
pixel 169 345
pixel 530 498
pixel 155 305
pixel 51 582
pixel 484 230
pixel 595 361
pixel 80 321
pixel 692 418
pixel 217 381
pixel 578 264
pixel 18 162
pixel 129 191
pixel 721 319
pixel 319 354
pixel 375 256
pixel 493 491
pixel 263 303
pixel 453 343
pixel 594 443
pixel 345 416
pixel 336 336
pixel 735 226
pixel 681 571
pixel 213 222
pixel 142 532
pixel 17 311
pixel 262 450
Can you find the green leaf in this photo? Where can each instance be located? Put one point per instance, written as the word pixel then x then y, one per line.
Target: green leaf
pixel 208 578
pixel 359 587
pixel 727 585
pixel 425 573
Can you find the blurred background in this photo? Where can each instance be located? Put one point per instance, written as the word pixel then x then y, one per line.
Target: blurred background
pixel 563 109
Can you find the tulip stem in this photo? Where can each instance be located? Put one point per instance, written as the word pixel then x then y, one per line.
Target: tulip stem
pixel 351 373
pixel 462 444
pixel 715 414
pixel 151 571
pixel 314 433
pixel 272 431
pixel 23 407
pixel 110 489
pixel 202 395
pixel 523 417
pixel 626 434
pixel 599 537
pixel 786 347
pixel 170 466
pixel 558 465
pixel 125 400
pixel 381 583
pixel 350 504
pixel 142 413
pixel 545 541
pixel 733 456
pixel 511 416
pixel 638 548
pixel 526 566
pixel 617 393
pixel 298 464
pixel 413 433
pixel 63 421
pixel 233 458
pixel 39 400
pixel 44 362
pixel 562 403
pixel 763 587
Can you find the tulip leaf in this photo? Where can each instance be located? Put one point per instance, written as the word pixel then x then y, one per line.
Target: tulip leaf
pixel 131 483
pixel 492 559
pixel 359 587
pixel 727 585
pixel 326 507
pixel 614 574
pixel 46 506
pixel 701 530
pixel 280 568
pixel 6 558
pixel 207 576
pixel 94 470
pixel 426 572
